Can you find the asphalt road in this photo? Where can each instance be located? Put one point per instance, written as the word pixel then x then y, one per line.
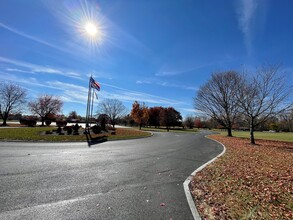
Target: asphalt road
pixel 133 179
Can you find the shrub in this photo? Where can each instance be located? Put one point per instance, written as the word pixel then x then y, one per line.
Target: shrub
pixel 69 130
pixel 75 129
pixel 30 122
pixel 96 129
pixel 61 123
pixel 48 122
pixel 59 130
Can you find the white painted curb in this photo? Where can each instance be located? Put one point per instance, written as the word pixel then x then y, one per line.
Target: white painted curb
pixel 186 183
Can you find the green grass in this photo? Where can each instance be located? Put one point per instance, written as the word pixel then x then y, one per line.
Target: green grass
pixel 34 134
pixel 276 136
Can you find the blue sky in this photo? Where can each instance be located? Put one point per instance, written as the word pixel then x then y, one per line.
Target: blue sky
pixel 158 52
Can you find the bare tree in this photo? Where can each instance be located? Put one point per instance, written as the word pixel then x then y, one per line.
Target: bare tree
pixel 113 108
pixel 263 96
pixel 73 116
pixel 189 121
pixel 217 98
pixel 12 97
pixel 45 105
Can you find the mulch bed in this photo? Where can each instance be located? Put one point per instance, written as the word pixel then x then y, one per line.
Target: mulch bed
pixel 247 182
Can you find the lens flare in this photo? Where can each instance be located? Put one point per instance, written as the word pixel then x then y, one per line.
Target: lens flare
pixel 91 29
pixel 85 23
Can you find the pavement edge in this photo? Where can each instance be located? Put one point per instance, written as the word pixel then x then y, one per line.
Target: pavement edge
pixel 186 183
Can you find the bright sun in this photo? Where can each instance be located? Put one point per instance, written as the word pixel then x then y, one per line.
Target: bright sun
pixel 91 29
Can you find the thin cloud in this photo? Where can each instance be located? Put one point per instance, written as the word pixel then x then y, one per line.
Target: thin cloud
pixel 130 96
pixel 192 111
pixel 175 73
pixel 246 15
pixel 18 70
pixel 143 82
pixel 167 84
pixel 33 38
pixel 165 71
pixel 32 68
pixel 80 94
pixel 67 86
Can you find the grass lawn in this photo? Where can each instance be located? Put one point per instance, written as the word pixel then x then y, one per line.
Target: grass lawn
pixel 35 134
pixel 247 182
pixel 277 136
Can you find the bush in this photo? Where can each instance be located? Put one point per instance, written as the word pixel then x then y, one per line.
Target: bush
pixel 96 129
pixel 59 130
pixel 69 130
pixel 48 122
pixel 30 122
pixel 75 129
pixel 61 123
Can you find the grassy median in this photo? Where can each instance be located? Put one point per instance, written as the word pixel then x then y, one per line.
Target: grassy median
pixel 247 182
pixel 277 136
pixel 37 134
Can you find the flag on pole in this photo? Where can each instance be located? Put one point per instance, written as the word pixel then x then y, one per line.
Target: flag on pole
pixel 94 84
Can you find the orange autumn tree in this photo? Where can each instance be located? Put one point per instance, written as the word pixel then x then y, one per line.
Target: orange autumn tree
pixel 139 113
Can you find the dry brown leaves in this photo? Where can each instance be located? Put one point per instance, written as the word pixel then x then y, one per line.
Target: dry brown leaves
pixel 247 182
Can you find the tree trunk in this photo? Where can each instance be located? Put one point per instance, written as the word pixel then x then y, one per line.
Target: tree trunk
pixel 251 128
pixel 4 117
pixel 140 126
pixel 4 121
pixel 229 132
pixel 43 120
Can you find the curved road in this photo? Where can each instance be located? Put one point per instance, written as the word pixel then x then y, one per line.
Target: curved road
pixel 133 179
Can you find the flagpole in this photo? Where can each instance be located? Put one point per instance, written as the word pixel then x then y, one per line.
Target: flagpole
pixel 92 105
pixel 88 105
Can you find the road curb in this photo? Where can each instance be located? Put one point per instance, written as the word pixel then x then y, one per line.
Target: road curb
pixel 186 183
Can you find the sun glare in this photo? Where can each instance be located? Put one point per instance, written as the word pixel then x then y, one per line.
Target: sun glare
pixel 87 22
pixel 91 29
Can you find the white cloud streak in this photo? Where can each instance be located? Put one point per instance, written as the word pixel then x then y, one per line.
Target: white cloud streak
pixel 33 38
pixel 32 68
pixel 74 93
pixel 246 14
pixel 19 70
pixel 130 96
pixel 167 84
pixel 179 72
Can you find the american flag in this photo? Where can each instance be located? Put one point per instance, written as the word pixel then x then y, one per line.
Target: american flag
pixel 94 84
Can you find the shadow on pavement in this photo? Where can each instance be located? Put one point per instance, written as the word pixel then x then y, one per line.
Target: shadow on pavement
pixel 97 140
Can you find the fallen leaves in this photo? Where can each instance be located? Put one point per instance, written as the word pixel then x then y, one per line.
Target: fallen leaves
pixel 249 181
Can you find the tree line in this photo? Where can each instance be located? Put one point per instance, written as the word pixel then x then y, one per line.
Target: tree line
pixel 47 108
pixel 155 116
